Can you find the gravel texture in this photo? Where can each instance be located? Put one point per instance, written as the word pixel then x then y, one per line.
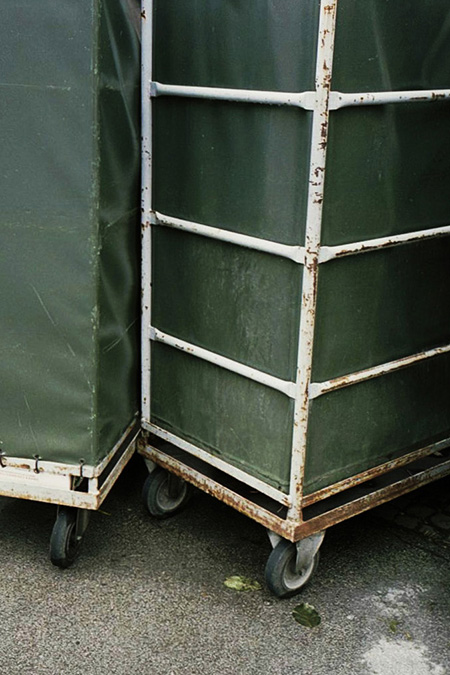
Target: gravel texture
pixel 148 596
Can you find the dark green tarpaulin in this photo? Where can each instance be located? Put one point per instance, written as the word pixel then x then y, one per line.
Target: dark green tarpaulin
pixel 69 194
pixel 245 168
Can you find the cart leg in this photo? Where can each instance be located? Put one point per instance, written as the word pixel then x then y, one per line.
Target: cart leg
pixel 290 566
pixel 67 535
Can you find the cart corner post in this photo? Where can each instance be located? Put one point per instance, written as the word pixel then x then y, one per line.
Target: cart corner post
pixel 318 156
pixel 146 201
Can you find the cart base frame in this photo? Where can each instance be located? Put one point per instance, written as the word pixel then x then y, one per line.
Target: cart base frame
pixel 367 490
pixel 80 486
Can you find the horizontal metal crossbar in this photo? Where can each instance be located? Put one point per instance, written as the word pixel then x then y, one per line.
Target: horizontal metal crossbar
pixel 318 388
pixel 374 472
pixel 295 253
pixel 344 100
pixel 305 99
pixel 218 463
pixel 331 252
pixel 283 386
pixel 216 489
pixel 371 500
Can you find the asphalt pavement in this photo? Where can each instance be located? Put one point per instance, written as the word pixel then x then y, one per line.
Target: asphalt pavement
pixel 148 597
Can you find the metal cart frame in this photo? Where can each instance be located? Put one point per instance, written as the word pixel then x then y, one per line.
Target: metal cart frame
pixel 292 516
pixel 75 489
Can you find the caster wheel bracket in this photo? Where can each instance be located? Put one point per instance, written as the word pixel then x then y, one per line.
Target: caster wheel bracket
pixel 307 549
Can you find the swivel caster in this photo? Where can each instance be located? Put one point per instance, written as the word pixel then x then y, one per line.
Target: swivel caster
pixel 290 566
pixel 164 494
pixel 67 535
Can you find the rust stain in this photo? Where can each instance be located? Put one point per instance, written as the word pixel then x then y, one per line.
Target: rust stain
pixel 385 244
pixel 243 505
pixel 371 500
pixel 365 476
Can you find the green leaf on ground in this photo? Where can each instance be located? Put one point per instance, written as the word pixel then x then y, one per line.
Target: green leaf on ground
pixel 237 583
pixel 306 615
pixel 393 626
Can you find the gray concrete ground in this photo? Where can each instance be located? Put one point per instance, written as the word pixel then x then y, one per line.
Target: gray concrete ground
pixel 148 597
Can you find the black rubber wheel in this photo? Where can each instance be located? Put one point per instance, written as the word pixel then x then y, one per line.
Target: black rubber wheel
pixel 64 543
pixel 281 576
pixel 164 494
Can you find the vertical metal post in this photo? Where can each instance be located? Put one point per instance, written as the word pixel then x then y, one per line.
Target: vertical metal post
pixel 146 201
pixel 319 137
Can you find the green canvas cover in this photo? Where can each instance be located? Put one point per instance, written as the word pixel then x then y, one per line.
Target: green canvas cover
pixel 245 168
pixel 69 234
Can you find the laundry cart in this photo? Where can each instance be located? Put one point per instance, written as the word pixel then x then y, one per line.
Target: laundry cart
pixel 69 271
pixel 296 260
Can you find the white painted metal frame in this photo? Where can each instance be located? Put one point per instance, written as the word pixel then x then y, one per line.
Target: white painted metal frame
pixel 146 202
pixel 294 253
pixel 55 482
pixel 222 465
pixel 324 68
pixel 321 102
pixel 285 387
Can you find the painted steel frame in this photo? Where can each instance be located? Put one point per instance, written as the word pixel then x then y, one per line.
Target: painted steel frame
pixel 57 483
pixel 321 102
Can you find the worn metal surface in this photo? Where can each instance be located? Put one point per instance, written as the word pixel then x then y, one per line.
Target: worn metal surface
pixel 318 388
pixel 217 462
pixel 330 515
pixel 79 470
pixel 59 488
pixel 146 201
pixel 370 501
pixel 339 100
pixel 249 183
pixel 319 138
pixel 69 185
pixel 212 487
pixel 331 252
pixel 373 473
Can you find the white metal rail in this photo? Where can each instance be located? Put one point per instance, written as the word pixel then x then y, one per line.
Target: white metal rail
pixel 220 464
pixel 294 253
pixel 324 68
pixel 320 102
pixel 146 202
pixel 285 387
